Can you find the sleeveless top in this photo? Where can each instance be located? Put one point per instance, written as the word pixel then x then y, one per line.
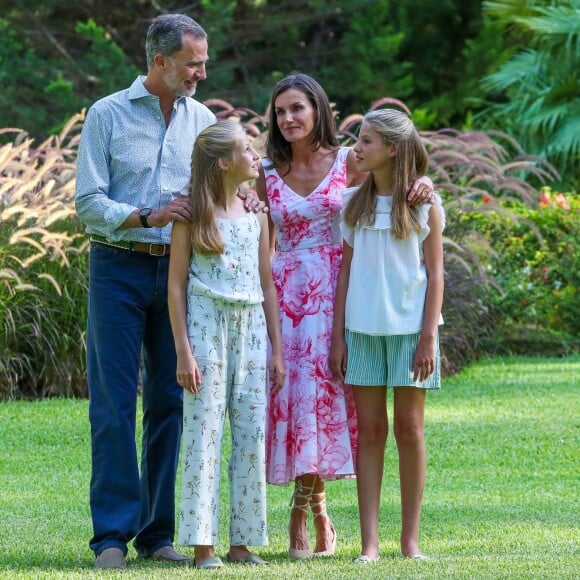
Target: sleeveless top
pixel 234 275
pixel 388 279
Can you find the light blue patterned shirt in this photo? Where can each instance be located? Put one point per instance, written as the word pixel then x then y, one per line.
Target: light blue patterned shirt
pixel 128 159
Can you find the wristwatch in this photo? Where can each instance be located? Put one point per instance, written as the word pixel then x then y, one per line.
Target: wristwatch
pixel 143 215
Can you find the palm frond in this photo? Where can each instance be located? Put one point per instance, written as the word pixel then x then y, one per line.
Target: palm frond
pixel 547 119
pixel 566 144
pixel 555 20
pixel 509 9
pixel 525 69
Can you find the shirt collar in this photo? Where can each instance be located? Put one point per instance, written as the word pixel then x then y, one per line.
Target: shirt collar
pixel 137 90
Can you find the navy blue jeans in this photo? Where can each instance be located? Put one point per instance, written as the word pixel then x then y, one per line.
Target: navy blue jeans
pixel 128 314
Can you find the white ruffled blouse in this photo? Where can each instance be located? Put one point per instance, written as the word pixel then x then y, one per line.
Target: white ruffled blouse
pixel 388 280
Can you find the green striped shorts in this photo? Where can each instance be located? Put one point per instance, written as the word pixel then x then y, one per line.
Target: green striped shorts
pixel 377 361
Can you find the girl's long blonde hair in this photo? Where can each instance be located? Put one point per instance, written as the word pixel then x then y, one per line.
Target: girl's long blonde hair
pixel 206 189
pixel 410 162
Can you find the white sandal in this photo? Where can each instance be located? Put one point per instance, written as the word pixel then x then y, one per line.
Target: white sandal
pixel 364 559
pixel 419 556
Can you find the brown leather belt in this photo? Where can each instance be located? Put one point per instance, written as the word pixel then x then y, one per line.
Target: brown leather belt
pixel 158 250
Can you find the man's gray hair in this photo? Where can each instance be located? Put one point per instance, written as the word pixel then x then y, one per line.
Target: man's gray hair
pixel 165 35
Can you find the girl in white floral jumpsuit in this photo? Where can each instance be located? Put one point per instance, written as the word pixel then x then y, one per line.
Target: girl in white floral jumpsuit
pixel 223 304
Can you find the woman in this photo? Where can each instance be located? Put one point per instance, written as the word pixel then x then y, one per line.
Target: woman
pixel 311 431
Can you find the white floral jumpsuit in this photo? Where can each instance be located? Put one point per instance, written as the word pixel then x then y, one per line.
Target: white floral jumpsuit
pixel 227 334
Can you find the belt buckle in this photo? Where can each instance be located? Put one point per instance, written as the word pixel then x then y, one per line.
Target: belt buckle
pixel 161 252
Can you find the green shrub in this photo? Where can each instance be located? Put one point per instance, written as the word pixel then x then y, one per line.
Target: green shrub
pixel 534 94
pixel 536 263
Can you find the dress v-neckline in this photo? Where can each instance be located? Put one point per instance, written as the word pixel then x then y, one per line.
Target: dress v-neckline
pixel 318 186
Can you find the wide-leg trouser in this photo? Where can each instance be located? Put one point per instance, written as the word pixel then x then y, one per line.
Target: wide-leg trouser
pixel 229 345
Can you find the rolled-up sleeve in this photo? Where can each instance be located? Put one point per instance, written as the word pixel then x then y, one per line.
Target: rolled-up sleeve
pixel 130 158
pixel 101 214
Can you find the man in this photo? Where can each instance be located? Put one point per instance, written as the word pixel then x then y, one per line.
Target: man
pixel 133 170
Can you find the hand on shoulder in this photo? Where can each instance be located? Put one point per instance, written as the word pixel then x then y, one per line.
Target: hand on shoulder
pixel 252 202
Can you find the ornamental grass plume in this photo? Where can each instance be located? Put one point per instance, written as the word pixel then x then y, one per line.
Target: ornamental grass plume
pixel 42 268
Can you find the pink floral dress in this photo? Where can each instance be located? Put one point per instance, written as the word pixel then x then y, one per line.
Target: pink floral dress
pixel 311 420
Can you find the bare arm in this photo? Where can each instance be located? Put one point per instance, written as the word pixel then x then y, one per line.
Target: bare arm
pixel 424 359
pixel 187 371
pixel 338 351
pixel 271 309
pixel 263 196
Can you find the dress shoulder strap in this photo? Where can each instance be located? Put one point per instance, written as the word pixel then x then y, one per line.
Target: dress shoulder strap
pixel 341 156
pixel 268 167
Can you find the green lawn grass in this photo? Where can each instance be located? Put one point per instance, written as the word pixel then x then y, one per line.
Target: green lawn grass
pixel 500 502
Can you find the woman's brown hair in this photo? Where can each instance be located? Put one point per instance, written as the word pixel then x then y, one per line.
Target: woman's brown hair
pixel 278 150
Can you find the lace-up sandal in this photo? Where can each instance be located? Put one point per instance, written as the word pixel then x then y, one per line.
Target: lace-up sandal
pixel 320 505
pixel 303 494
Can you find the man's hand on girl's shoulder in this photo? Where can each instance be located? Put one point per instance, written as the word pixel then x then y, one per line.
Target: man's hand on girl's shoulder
pixel 252 202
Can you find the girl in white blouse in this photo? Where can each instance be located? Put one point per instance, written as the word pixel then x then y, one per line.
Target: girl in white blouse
pixel 387 312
